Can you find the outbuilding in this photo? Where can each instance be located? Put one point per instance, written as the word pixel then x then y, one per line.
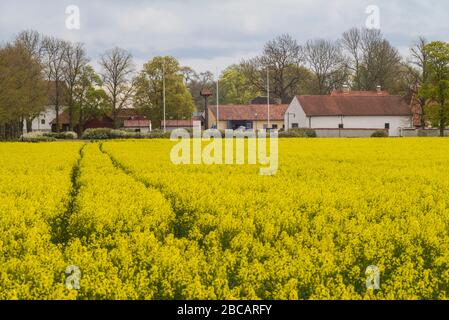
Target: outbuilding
pixel 357 113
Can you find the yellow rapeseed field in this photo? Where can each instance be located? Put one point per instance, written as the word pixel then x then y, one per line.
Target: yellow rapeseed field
pixel 139 227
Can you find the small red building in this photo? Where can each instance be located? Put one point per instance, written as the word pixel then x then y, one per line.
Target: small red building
pixel 101 122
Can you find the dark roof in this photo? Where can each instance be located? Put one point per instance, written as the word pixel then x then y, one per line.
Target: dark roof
pixel 181 123
pixel 258 112
pixel 130 114
pixel 354 105
pixel 124 114
pixel 102 122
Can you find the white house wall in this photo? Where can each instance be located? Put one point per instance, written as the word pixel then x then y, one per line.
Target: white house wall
pixel 379 122
pixel 48 116
pixel 295 114
pixel 363 122
pixel 325 122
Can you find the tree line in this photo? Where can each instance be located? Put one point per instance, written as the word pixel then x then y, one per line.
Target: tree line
pixel 37 71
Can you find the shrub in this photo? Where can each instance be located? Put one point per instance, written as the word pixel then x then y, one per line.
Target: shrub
pixel 97 134
pixel 106 133
pixel 120 134
pixel 36 136
pixel 70 135
pixel 298 133
pixel 159 134
pixel 380 134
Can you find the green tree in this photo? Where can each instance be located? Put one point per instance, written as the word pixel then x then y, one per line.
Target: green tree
pixel 90 100
pixel 235 87
pixel 22 89
pixel 436 88
pixel 149 90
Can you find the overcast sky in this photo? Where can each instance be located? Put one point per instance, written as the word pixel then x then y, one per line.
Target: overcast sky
pixel 212 34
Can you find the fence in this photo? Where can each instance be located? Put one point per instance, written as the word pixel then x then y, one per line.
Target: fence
pixel 345 133
pixel 10 131
pixel 423 132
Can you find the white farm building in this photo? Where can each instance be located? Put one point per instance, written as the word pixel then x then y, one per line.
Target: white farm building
pixel 42 122
pixel 350 111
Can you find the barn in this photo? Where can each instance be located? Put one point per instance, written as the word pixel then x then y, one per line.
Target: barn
pixel 355 113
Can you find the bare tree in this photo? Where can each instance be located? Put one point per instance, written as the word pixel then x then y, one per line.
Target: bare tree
pixel 196 82
pixel 117 73
pixel 382 63
pixel 282 57
pixel 352 43
pixel 54 62
pixel 373 60
pixel 75 60
pixel 418 69
pixel 32 41
pixel 326 60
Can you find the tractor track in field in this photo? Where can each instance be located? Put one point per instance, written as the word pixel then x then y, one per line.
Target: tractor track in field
pixel 59 225
pixel 180 227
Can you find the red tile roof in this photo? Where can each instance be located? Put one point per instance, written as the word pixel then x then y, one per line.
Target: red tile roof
pixel 253 112
pixel 360 93
pixel 63 118
pixel 136 123
pixel 364 105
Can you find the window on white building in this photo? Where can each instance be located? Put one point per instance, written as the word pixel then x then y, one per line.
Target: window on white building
pixel 42 121
pixel 387 126
pixel 295 125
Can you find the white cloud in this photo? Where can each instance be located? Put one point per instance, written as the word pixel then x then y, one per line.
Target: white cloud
pixel 153 21
pixel 217 64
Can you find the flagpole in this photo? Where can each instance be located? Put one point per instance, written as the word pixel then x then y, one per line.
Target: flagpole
pixel 218 80
pixel 163 89
pixel 268 95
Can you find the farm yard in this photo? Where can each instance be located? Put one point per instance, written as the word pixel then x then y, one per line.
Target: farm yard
pixel 140 227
